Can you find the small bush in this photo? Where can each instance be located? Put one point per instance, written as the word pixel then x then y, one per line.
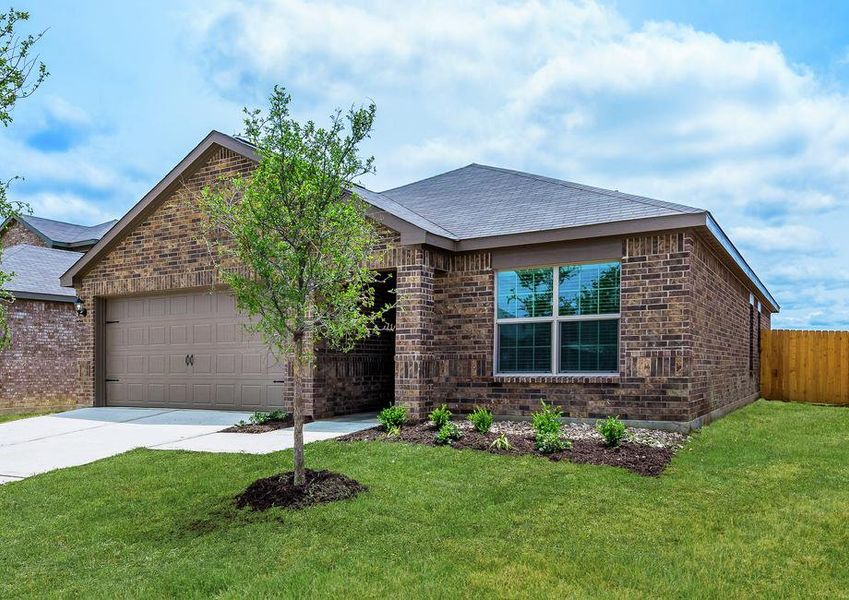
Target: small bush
pixel 440 416
pixel 612 429
pixel 546 420
pixel 501 442
pixel 481 419
pixel 392 417
pixel 448 433
pixel 548 442
pixel 258 418
pixel 393 431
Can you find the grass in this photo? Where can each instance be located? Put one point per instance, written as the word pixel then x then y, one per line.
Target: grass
pixel 755 505
pixel 6 417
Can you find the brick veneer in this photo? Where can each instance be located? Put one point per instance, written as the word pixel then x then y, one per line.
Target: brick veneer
pixel 684 326
pixel 15 233
pixel 39 369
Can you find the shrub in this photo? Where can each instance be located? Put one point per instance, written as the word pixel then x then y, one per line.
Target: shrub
pixel 258 418
pixel 447 434
pixel 548 442
pixel 392 417
pixel 393 431
pixel 546 419
pixel 501 442
pixel 612 429
pixel 440 416
pixel 481 418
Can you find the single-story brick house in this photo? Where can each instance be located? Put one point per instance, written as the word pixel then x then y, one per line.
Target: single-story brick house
pixel 511 288
pixel 39 370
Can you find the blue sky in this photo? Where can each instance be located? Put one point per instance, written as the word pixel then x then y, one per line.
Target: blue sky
pixel 738 107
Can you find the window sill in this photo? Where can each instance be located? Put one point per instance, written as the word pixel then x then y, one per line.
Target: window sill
pixel 557 378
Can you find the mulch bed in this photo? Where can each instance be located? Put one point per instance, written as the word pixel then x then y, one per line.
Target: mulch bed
pixel 289 421
pixel 279 490
pixel 641 459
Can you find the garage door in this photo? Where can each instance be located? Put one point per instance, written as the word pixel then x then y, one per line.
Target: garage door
pixel 186 351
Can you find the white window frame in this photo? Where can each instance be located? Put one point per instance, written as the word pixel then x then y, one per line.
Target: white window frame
pixel 555 321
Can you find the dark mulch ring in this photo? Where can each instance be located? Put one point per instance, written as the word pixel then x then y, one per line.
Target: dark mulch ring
pixel 289 421
pixel 280 490
pixel 639 458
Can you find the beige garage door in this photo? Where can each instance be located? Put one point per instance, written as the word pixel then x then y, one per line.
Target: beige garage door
pixel 186 351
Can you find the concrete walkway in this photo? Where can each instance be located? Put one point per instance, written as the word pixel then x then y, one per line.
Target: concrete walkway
pixel 40 444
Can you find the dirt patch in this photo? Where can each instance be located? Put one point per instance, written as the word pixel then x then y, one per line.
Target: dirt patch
pixel 280 490
pixel 639 458
pixel 289 421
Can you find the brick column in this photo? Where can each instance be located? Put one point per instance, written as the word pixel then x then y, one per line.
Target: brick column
pixel 414 327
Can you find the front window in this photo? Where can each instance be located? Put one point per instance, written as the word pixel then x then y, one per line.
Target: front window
pixel 570 328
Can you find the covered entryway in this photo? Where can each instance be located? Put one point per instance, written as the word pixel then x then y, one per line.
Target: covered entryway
pixel 186 351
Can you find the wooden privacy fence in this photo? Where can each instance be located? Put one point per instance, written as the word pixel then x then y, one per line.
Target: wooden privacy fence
pixel 805 366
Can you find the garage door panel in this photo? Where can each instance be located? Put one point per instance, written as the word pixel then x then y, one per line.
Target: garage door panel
pixel 116 391
pixel 177 364
pixel 135 308
pixel 156 364
pixel 136 336
pixel 116 365
pixel 136 365
pixel 202 364
pixel 178 334
pixel 252 364
pixel 202 333
pixel 178 305
pixel 149 338
pixel 157 335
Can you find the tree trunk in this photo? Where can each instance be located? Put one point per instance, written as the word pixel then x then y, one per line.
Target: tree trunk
pixel 298 409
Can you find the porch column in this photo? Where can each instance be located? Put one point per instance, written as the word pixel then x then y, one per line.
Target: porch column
pixel 414 332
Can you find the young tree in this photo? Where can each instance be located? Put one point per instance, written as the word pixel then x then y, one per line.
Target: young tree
pixel 292 240
pixel 20 76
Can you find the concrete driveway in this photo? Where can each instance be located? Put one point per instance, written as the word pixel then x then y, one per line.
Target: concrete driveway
pixel 40 444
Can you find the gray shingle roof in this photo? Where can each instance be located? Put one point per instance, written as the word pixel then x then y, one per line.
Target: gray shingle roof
pixel 67 233
pixel 480 201
pixel 37 270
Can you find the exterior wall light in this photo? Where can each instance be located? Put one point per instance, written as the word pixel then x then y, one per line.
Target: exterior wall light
pixel 79 305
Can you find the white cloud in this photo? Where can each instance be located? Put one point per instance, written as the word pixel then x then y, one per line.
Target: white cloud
pixel 67 207
pixel 571 90
pixel 783 238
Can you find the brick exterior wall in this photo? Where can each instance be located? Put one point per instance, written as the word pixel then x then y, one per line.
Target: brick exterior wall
pixel 684 325
pixel 15 234
pixel 726 357
pixel 39 370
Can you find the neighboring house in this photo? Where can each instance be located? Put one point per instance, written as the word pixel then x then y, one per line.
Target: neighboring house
pixel 511 288
pixel 40 369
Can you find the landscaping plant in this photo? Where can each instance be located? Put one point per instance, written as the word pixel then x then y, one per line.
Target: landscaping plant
pixel 481 419
pixel 547 424
pixel 501 442
pixel 612 429
pixel 392 418
pixel 447 434
pixel 292 239
pixel 259 418
pixel 440 416
pixel 549 442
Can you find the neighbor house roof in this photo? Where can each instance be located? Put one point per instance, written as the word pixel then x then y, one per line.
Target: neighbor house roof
pixel 61 234
pixel 37 271
pixel 478 207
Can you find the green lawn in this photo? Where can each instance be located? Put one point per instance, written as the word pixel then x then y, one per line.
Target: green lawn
pixel 757 504
pixel 6 417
